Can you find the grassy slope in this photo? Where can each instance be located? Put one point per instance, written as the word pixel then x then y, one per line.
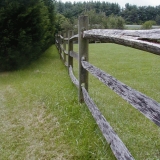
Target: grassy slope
pixel 140 70
pixel 40 117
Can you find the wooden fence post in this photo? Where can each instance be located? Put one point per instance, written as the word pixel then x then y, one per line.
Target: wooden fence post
pixel 59 44
pixel 83 54
pixel 70 48
pixel 64 47
pixel 56 38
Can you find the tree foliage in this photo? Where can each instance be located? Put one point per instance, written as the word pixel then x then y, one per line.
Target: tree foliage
pixel 27 29
pixel 132 14
pixel 148 24
pixel 115 22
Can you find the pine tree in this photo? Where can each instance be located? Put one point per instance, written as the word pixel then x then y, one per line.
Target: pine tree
pixel 27 29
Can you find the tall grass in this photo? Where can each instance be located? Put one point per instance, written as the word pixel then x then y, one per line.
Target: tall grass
pixel 41 117
pixel 141 71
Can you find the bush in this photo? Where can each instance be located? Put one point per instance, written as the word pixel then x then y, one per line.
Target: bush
pixel 148 24
pixel 113 22
pixel 26 29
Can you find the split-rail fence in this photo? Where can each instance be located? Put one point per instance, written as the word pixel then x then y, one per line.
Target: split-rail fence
pixel 147 40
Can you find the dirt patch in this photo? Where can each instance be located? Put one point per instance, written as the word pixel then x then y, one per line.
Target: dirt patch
pixel 28 132
pixel 4 74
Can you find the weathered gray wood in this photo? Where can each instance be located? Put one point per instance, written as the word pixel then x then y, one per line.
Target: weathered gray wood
pixel 65 39
pixel 74 55
pixel 65 52
pixel 147 40
pixel 64 47
pixel 147 106
pixel 73 38
pixel 70 48
pixel 83 52
pixel 119 149
pixel 61 52
pixel 61 37
pixel 66 64
pixel 73 78
pixel 58 46
pixel 56 41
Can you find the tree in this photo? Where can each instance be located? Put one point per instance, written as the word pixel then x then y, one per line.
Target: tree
pixel 148 24
pixel 115 22
pixel 27 29
pixel 158 19
pixel 66 25
pixel 59 20
pixel 95 19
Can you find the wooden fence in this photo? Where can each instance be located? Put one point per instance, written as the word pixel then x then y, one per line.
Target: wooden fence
pixel 147 40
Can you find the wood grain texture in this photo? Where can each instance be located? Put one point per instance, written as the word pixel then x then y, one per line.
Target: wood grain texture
pixel 147 106
pixel 119 149
pixel 73 78
pixel 83 22
pixel 147 40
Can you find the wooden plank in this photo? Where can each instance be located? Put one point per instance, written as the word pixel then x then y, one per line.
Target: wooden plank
pixel 83 52
pixel 61 37
pixel 70 48
pixel 56 41
pixel 147 40
pixel 65 39
pixel 119 149
pixel 64 47
pixel 65 52
pixel 73 38
pixel 66 64
pixel 73 78
pixel 61 52
pixel 74 54
pixel 147 106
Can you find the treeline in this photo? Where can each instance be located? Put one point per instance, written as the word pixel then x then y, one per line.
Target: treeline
pixel 27 27
pixel 26 30
pixel 132 14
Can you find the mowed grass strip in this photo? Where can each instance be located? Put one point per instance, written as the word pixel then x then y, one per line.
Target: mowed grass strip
pixel 139 70
pixel 40 117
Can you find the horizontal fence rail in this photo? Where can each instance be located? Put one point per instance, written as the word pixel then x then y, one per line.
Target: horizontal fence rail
pixel 147 40
pixel 147 106
pixel 73 78
pixel 136 39
pixel 119 149
pixel 74 55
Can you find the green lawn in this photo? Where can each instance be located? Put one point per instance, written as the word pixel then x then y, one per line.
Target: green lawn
pixel 42 119
pixel 141 71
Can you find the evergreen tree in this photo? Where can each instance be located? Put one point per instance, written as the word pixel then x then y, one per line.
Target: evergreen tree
pixel 26 30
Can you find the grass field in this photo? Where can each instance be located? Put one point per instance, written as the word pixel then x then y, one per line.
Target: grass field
pixel 42 119
pixel 141 71
pixel 138 27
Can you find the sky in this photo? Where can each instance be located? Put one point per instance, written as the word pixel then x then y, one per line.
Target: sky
pixel 123 2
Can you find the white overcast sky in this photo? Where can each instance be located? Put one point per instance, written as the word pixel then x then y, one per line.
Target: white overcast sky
pixel 123 2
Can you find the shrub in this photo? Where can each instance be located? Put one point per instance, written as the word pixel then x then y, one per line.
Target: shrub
pixel 26 28
pixel 148 24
